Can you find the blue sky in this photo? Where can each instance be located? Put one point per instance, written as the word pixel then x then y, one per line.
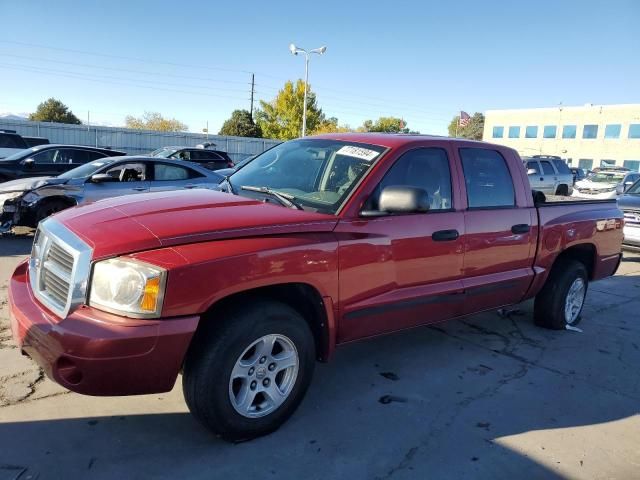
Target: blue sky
pixel 423 61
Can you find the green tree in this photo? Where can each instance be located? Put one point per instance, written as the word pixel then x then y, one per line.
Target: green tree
pixel 241 125
pixel 155 121
pixel 473 130
pixel 282 117
pixel 330 125
pixel 53 110
pixel 387 125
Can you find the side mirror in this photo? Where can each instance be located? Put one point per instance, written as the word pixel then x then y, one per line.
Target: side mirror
pixel 102 178
pixel 620 189
pixel 400 199
pixel 28 162
pixel 532 171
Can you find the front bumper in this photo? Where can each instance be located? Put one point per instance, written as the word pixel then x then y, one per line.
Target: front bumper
pixel 631 237
pixel 96 353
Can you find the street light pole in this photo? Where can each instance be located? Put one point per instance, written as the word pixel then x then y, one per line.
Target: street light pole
pixel 295 50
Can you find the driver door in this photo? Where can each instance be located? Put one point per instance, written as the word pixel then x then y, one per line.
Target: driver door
pixel 402 270
pixel 128 178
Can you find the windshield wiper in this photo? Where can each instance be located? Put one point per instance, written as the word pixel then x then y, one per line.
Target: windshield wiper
pixel 284 198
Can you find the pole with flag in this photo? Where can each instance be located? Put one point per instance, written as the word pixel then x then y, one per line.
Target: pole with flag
pixel 463 121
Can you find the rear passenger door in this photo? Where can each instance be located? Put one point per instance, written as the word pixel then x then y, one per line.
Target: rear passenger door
pixel 171 176
pixel 549 177
pixel 500 239
pixel 210 160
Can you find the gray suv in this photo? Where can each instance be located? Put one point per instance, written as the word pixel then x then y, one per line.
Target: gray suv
pixel 549 175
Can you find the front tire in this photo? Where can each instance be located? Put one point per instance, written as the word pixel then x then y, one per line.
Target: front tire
pixel 49 208
pixel 244 377
pixel 560 301
pixel 563 190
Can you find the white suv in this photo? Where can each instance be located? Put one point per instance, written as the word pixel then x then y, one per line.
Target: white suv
pixel 549 175
pixel 601 184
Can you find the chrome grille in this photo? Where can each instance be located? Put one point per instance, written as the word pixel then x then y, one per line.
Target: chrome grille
pixel 59 267
pixel 632 218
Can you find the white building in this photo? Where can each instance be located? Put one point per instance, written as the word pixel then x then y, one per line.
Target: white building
pixel 589 136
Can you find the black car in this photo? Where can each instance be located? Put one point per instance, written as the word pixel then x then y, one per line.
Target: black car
pixel 202 154
pixel 35 141
pixel 578 174
pixel 50 160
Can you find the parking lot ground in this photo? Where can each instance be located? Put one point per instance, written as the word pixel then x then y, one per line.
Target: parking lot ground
pixel 490 396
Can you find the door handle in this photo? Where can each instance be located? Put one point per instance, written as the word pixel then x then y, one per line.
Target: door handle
pixel 520 228
pixel 139 189
pixel 445 235
pixel 542 179
pixel 191 185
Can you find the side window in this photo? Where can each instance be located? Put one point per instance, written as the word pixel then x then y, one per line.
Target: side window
pixel 128 172
pixel 71 155
pixel 183 155
pixel 547 168
pixel 91 155
pixel 163 172
pixel 533 165
pixel 48 156
pixel 426 168
pixel 561 167
pixel 487 178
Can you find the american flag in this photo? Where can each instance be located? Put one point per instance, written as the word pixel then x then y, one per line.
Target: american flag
pixel 464 119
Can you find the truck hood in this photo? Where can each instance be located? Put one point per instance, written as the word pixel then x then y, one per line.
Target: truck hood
pixel 134 223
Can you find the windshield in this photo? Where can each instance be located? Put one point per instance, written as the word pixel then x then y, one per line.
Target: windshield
pixel 320 174
pixel 163 152
pixel 86 170
pixel 606 177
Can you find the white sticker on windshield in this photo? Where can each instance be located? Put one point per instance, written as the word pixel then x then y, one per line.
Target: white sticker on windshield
pixel 358 152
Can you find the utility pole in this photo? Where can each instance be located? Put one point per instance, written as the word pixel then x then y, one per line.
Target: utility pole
pixel 252 92
pixel 88 122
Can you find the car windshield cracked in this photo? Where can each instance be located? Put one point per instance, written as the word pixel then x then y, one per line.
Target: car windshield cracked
pixel 318 174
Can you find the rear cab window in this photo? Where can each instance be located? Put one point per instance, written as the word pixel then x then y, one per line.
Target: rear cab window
pixel 487 178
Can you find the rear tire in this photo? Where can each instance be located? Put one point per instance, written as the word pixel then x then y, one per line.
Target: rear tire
pixel 563 190
pixel 560 301
pixel 239 384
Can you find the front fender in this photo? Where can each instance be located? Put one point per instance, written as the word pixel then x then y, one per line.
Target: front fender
pixel 202 274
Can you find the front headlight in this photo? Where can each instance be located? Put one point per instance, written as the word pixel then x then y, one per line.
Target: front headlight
pixel 128 287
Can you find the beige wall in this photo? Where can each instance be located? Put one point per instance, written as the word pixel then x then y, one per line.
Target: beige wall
pixel 619 149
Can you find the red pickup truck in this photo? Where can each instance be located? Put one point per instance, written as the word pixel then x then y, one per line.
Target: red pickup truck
pixel 315 243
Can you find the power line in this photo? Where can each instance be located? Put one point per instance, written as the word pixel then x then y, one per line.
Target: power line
pixel 75 76
pixel 40 59
pixel 148 61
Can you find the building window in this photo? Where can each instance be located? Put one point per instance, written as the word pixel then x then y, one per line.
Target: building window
pixel 531 132
pixel 549 131
pixel 607 163
pixel 585 164
pixel 569 131
pixel 569 161
pixel 612 131
pixel 590 131
pixel 498 132
pixel 634 130
pixel 633 165
pixel 514 132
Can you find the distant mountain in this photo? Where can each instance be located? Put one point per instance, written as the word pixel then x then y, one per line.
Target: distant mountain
pixel 14 116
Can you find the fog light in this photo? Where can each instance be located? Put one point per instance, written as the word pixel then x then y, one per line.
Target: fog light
pixel 68 371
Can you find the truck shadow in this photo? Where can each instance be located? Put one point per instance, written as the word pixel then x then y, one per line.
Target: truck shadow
pixel 482 397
